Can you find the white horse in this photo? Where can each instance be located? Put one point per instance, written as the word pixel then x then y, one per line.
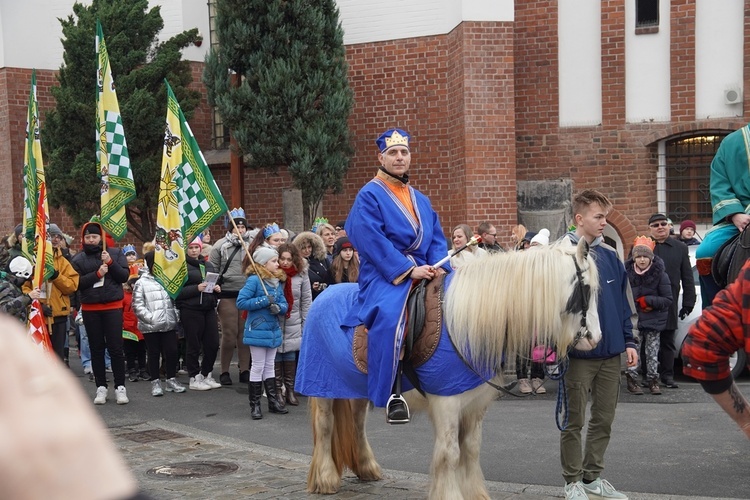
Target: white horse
pixel 494 308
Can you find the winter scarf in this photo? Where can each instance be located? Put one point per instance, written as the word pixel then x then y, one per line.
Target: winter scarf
pixel 288 295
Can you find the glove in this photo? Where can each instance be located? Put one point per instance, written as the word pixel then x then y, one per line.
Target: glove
pixel 275 309
pixel 685 311
pixel 47 310
pixel 54 275
pixel 641 301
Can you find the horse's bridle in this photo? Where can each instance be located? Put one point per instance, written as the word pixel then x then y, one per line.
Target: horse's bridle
pixel 581 294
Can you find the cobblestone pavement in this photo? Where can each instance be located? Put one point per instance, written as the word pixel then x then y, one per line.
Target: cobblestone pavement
pixel 262 472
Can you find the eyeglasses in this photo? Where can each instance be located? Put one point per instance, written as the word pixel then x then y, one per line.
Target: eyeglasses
pixel 494 235
pixel 659 224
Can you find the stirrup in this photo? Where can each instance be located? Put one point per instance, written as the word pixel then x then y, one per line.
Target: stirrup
pixel 397 419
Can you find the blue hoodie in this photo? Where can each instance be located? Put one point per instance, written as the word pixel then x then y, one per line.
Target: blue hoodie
pixel 613 303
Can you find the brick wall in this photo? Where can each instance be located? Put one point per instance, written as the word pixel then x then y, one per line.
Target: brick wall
pixel 618 158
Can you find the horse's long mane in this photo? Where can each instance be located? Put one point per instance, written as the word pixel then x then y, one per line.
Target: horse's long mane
pixel 503 303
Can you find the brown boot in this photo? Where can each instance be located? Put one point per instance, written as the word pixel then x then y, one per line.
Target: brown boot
pixel 654 386
pixel 633 387
pixel 290 373
pixel 279 382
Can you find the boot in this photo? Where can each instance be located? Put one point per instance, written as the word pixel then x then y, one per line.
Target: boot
pixel 654 386
pixel 255 389
pixel 279 383
pixel 290 373
pixel 633 387
pixel 273 402
pixel 66 356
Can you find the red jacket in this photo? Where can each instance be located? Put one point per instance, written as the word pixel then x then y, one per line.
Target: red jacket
pixel 722 329
pixel 129 321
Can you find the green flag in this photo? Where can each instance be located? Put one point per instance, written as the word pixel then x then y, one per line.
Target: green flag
pixel 118 187
pixel 189 199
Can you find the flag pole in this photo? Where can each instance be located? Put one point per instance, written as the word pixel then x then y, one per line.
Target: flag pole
pixel 247 252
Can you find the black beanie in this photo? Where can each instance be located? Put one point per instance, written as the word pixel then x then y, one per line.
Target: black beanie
pixel 92 228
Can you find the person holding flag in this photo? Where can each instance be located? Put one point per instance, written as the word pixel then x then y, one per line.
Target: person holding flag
pixel 13 300
pixel 102 273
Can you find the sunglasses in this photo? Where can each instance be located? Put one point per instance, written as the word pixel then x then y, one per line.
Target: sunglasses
pixel 659 224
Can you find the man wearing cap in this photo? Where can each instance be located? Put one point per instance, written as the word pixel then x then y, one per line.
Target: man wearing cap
pixel 399 237
pixel 674 253
pixel 57 291
pixel 226 258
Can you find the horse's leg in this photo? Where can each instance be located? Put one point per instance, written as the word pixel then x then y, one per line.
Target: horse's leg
pixel 324 475
pixel 367 469
pixel 445 413
pixel 470 474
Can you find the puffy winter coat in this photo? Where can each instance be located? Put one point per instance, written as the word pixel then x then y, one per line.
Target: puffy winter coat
pixel 262 329
pixel 153 306
pixel 292 326
pixel 190 297
pixel 87 265
pixel 63 284
pixel 655 287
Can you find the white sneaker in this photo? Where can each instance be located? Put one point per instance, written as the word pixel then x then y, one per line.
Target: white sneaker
pixel 122 395
pixel 601 488
pixel 108 369
pixel 173 385
pixel 156 390
pixel 524 385
pixel 213 384
pixel 538 385
pixel 198 383
pixel 101 395
pixel 87 370
pixel 575 491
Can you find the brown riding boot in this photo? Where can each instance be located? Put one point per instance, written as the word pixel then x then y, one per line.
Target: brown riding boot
pixel 290 373
pixel 633 387
pixel 277 368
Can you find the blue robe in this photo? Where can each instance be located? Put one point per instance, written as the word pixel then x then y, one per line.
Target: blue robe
pixel 390 241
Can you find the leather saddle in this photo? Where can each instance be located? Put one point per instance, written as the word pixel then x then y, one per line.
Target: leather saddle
pixel 424 323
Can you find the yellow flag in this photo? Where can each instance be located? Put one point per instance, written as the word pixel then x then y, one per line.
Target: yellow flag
pixel 118 187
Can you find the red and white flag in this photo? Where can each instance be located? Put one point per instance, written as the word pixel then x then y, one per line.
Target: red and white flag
pixel 38 328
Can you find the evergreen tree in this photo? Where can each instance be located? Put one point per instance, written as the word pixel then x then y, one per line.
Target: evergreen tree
pixel 293 100
pixel 139 66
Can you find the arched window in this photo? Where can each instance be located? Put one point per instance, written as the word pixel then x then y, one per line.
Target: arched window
pixel 684 176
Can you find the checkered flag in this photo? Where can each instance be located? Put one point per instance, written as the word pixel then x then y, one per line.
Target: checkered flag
pixel 189 199
pixel 113 161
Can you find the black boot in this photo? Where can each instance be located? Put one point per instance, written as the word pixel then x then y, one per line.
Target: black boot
pixel 290 373
pixel 255 389
pixel 273 403
pixel 279 382
pixel 397 411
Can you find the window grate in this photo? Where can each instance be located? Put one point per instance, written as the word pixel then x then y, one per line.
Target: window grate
pixel 688 172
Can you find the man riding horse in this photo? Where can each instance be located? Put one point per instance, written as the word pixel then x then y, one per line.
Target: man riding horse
pixel 398 236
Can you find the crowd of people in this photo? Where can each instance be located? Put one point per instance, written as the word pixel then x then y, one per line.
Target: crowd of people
pixel 252 289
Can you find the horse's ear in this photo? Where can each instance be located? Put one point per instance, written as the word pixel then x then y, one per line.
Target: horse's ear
pixel 582 250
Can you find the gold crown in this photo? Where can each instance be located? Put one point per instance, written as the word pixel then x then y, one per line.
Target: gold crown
pixel 396 139
pixel 644 241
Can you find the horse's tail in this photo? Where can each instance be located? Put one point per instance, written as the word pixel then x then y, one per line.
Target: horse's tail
pixel 332 420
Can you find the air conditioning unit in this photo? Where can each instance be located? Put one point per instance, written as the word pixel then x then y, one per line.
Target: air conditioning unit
pixel 732 96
